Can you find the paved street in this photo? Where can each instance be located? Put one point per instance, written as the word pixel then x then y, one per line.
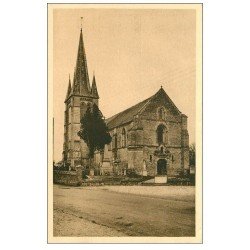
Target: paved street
pixel 124 211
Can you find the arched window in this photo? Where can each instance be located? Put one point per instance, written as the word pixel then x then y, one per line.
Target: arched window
pixel 161 113
pixel 161 129
pixel 115 147
pixel 124 138
pixel 115 141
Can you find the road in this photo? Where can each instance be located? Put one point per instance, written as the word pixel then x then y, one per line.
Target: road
pixel 108 211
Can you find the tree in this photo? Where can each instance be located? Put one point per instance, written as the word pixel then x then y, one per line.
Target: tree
pixel 94 131
pixel 192 155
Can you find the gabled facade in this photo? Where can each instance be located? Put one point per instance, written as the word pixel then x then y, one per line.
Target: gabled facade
pixel 79 95
pixel 151 138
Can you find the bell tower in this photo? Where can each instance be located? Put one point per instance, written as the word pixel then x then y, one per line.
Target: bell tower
pixel 79 95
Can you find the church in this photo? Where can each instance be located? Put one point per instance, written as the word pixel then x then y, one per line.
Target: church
pixel 149 138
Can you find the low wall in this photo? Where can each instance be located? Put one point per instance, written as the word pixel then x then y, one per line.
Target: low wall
pixel 161 179
pixel 70 178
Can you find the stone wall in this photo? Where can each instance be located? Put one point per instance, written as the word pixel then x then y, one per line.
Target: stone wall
pixel 135 160
pixel 70 178
pixel 142 144
pixel 174 166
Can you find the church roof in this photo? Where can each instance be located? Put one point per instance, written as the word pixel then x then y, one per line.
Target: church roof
pixel 81 78
pixel 80 84
pixel 127 115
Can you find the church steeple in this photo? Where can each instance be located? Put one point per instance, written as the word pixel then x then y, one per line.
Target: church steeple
pixel 81 78
pixel 94 91
pixel 69 89
pixel 79 95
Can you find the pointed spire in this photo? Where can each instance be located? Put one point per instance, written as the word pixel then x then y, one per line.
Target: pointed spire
pixel 94 91
pixel 81 79
pixel 69 89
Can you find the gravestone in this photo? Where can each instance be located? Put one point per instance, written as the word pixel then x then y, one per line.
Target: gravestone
pixel 144 170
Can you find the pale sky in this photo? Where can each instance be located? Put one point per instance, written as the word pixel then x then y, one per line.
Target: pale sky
pixel 132 52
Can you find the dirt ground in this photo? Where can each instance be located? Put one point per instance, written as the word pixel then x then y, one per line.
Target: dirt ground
pixel 66 224
pixel 124 211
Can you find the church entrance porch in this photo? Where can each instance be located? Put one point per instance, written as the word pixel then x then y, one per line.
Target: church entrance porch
pixel 162 167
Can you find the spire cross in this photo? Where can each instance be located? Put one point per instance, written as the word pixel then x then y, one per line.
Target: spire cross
pixel 81 22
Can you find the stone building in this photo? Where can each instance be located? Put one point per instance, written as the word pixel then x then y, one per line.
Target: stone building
pixel 150 138
pixel 79 95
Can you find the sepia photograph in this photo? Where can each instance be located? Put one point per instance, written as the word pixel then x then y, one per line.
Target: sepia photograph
pixel 124 123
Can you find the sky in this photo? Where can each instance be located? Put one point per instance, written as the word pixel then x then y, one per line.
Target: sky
pixel 133 52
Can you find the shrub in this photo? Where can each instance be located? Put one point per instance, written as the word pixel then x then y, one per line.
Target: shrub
pixel 132 173
pixel 79 183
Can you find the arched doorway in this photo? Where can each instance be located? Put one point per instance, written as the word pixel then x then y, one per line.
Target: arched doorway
pixel 162 167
